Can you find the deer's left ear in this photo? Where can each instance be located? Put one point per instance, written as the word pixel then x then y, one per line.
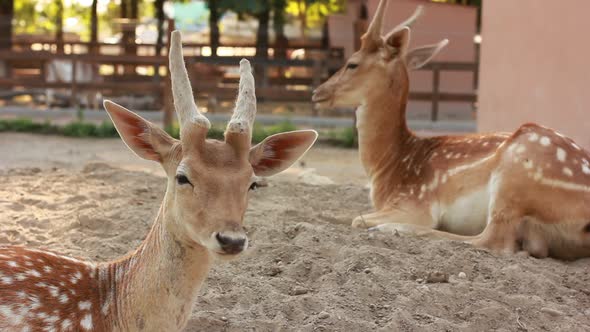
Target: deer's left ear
pixel 396 42
pixel 278 152
pixel 420 56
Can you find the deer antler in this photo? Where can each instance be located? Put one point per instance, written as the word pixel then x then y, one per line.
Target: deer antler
pixel 239 127
pixel 411 20
pixel 184 101
pixel 372 38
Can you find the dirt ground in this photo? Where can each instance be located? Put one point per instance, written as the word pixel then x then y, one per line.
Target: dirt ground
pixel 306 269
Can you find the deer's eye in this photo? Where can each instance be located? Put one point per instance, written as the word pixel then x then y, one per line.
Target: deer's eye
pixel 352 65
pixel 182 179
pixel 253 186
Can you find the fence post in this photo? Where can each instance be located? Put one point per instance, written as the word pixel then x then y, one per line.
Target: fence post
pixel 435 91
pixel 315 81
pixel 74 88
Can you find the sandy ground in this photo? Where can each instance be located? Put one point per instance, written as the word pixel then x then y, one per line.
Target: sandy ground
pixel 306 270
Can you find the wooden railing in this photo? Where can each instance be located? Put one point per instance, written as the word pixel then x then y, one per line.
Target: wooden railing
pixel 194 49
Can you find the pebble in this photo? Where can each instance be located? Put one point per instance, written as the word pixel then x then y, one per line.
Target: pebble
pixel 462 275
pixel 223 318
pixel 437 277
pixel 367 271
pixel 299 291
pixel 323 315
pixel 552 312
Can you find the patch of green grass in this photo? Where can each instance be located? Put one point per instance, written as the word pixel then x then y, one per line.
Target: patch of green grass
pixel 260 132
pixel 73 129
pixel 345 137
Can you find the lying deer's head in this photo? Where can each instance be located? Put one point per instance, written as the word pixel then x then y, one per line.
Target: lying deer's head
pixel 380 60
pixel 209 180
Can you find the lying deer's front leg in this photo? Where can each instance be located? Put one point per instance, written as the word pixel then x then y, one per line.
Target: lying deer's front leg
pixel 410 215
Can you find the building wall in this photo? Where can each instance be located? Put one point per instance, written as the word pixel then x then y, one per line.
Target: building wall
pixel 534 66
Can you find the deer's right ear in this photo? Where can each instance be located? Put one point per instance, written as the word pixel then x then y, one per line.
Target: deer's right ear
pixel 141 136
pixel 420 56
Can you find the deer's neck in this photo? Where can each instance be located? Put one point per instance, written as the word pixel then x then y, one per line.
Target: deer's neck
pixel 384 137
pixel 155 286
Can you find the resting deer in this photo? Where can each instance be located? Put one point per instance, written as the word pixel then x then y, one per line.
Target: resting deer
pixel 200 219
pixel 527 191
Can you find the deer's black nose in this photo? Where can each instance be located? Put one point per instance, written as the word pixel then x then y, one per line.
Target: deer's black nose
pixel 231 244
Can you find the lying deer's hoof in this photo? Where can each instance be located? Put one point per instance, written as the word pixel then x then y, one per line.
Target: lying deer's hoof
pixel 359 222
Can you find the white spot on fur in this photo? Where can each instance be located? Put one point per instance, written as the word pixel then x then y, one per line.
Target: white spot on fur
pixel 528 164
pixel 545 141
pixel 63 298
pixel 76 277
pixel 585 169
pixel 34 273
pixel 520 148
pixel 568 171
pixel 484 144
pixel 54 291
pixel 66 324
pixel 7 280
pixel 533 137
pixel 47 269
pixel 12 263
pixel 86 322
pixel 561 154
pixel 84 305
pixel 20 276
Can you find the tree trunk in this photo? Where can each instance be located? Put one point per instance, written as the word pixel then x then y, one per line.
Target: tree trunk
pixel 213 26
pixel 6 15
pixel 262 33
pixel 94 28
pixel 281 41
pixel 159 4
pixel 59 26
pixel 303 19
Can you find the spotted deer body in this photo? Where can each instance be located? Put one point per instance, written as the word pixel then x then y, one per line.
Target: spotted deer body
pixel 200 220
pixel 470 188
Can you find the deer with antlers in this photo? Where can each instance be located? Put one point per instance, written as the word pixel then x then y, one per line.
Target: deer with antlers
pixel 526 191
pixel 200 219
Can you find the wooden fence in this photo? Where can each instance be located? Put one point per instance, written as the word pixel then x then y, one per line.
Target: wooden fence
pixel 270 85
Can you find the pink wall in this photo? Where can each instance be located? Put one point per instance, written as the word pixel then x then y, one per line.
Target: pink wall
pixel 454 22
pixel 535 66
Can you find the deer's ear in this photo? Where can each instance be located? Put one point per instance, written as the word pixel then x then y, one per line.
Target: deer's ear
pixel 141 136
pixel 396 42
pixel 420 56
pixel 278 152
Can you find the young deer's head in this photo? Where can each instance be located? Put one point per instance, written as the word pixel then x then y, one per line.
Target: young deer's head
pixel 209 180
pixel 381 62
